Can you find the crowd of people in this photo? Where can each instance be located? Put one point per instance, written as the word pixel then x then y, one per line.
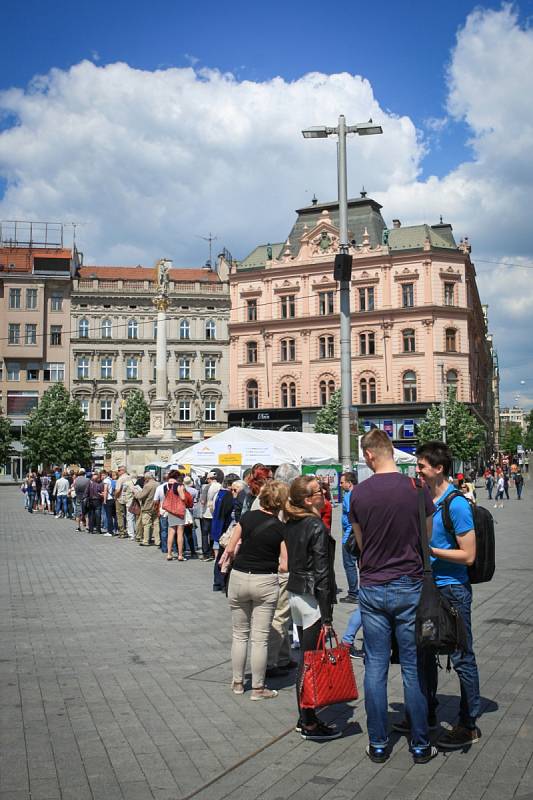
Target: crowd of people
pixel 498 478
pixel 268 536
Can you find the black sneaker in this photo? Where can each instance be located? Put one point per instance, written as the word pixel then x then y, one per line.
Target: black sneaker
pixel 349 599
pixel 321 733
pixel 421 755
pixel 404 726
pixel 377 754
pixel 458 737
pixel 356 652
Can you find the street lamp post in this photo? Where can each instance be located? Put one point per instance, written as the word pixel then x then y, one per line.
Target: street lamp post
pixel 344 269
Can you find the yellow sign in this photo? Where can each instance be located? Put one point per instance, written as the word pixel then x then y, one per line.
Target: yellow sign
pixel 230 459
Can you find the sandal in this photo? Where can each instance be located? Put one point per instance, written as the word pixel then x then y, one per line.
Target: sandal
pixel 237 687
pixel 169 558
pixel 263 694
pixel 180 558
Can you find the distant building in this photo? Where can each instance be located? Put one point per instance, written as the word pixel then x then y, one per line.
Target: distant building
pixel 35 283
pixel 418 329
pixel 513 415
pixel 113 348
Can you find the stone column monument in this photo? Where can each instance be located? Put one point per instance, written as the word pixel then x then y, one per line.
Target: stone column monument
pixel 160 422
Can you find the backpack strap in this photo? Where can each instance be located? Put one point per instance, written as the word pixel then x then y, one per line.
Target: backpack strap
pixel 422 530
pixel 445 507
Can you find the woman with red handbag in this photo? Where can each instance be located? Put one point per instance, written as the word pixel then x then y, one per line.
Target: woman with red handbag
pixel 177 501
pixel 312 589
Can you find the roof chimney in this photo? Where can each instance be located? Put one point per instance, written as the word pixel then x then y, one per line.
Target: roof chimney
pixel 396 223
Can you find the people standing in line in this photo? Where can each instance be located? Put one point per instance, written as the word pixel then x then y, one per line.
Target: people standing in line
pixel 149 521
pixel 349 559
pixel 80 487
pixel 253 586
pixel 61 490
pixel 31 491
pixel 385 515
pixel 176 522
pixel 214 484
pixel 109 506
pixel 255 479
pixel 311 586
pixel 327 509
pixel 451 555
pixel 121 506
pixel 519 484
pixel 500 488
pixel 94 498
pixel 128 495
pixel 222 514
pixel 45 493
pixel 190 542
pixel 159 498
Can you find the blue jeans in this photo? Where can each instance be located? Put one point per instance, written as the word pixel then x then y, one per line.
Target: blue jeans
pixel 352 576
pixel 61 504
pixel 30 499
pixel 386 608
pixel 460 596
pixel 354 624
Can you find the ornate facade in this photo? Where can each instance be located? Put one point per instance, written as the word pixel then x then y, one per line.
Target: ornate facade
pixel 113 344
pixel 418 329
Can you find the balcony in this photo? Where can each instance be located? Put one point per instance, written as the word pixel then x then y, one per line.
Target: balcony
pixel 148 287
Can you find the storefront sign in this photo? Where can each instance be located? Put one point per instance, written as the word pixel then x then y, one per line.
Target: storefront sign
pixel 408 429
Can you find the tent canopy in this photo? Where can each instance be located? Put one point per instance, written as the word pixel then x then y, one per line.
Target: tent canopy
pixel 247 446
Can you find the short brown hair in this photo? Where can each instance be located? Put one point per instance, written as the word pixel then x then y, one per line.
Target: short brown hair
pixel 273 496
pixel 378 442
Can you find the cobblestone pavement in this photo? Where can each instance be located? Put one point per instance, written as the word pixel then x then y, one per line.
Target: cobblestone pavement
pixel 115 683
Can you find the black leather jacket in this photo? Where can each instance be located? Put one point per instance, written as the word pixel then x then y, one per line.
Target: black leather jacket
pixel 311 552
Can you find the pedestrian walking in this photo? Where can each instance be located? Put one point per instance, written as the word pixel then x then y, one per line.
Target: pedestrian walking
pixel 349 557
pixel 519 484
pixel 80 486
pixel 500 488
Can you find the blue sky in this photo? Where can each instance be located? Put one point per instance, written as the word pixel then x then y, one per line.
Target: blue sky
pixel 152 153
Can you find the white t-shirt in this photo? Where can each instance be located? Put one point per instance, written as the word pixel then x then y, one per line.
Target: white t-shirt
pixel 159 496
pixel 109 483
pixel 212 492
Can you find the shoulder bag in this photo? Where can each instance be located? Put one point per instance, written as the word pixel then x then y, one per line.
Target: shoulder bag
pixel 327 675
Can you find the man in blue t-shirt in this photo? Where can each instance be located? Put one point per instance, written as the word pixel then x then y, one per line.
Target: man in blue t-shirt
pixel 451 555
pixel 349 560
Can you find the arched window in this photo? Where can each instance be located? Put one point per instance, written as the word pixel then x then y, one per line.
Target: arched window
pixel 409 387
pixel 288 350
pixel 452 380
pixel 106 329
pixel 331 388
pixel 284 395
pixel 185 329
pixel 83 328
pixel 363 392
pixel 323 392
pixel 372 390
pixel 252 395
pixel 451 340
pixel 133 329
pixel 326 347
pixel 210 329
pixel 251 352
pixel 409 341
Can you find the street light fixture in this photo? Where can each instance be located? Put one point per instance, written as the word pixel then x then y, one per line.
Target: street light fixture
pixel 344 276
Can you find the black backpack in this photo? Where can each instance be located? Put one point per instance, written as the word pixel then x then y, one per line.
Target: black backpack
pixel 482 570
pixel 439 626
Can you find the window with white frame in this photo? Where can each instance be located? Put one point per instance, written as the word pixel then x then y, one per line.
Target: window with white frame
pixel 83 328
pixel 251 352
pixel 288 349
pixel 409 387
pixel 367 344
pixel 408 340
pixel 106 410
pixel 54 372
pixel 184 410
pixel 13 371
pixel 106 329
pixel 449 294
pixel 451 340
pixel 132 368
pixel 366 298
pixel 288 306
pixel 184 369
pixel 55 334
pixel 31 299
pixel 13 333
pixel 154 329
pixel 326 347
pixel 408 295
pixel 106 368
pixel 32 372
pixel 185 329
pixel 210 329
pixel 84 405
pixel 252 394
pixel 452 381
pixel 14 298
pixel 133 329
pixel 82 368
pixel 367 391
pixel 251 310
pixel 30 333
pixel 210 369
pixel 56 302
pixel 326 302
pixel 210 411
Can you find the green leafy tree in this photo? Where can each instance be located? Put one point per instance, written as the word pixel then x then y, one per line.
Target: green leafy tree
pixel 5 439
pixel 511 435
pixel 137 415
pixel 327 417
pixel 56 431
pixel 528 438
pixel 464 434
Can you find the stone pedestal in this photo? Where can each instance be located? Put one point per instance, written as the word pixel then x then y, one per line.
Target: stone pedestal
pixel 160 426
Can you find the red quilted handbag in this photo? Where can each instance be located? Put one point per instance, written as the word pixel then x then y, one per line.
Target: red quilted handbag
pixel 328 675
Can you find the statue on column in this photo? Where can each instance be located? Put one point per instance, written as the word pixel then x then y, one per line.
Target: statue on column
pixel 163 281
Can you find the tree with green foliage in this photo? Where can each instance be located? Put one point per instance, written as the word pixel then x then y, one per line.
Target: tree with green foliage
pixel 5 439
pixel 511 435
pixel 327 418
pixel 528 437
pixel 56 431
pixel 465 436
pixel 137 415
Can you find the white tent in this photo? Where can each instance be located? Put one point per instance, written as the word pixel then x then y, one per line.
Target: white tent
pixel 247 446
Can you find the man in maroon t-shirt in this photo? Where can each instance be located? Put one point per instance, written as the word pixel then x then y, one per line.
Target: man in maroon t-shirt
pixel 384 511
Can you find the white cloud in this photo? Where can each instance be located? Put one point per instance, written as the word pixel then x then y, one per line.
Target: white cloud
pixel 152 159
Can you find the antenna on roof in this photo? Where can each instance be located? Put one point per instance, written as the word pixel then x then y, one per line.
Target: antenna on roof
pixel 363 192
pixel 209 239
pixel 74 226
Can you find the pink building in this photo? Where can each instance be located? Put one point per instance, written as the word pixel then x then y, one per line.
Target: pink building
pixel 418 328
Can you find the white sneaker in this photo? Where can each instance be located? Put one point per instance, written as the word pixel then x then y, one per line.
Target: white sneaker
pixel 108 534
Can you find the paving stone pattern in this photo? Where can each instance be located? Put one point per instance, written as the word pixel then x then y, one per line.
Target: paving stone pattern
pixel 115 681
